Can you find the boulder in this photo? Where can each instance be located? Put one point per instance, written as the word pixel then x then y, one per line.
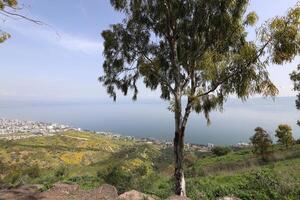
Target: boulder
pixel 64 188
pixel 135 195
pixel 28 192
pixel 105 192
pixel 62 191
pixel 175 197
pixel 228 198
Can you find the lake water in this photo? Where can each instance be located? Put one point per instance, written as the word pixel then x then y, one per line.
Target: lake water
pixel 235 124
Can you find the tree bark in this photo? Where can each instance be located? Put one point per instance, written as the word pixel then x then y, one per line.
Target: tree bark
pixel 178 153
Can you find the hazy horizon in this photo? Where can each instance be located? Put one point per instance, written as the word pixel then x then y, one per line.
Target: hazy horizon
pixel 153 120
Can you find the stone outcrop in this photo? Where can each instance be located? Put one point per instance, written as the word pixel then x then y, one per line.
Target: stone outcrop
pixel 175 197
pixel 105 192
pixel 228 198
pixel 135 195
pixel 28 192
pixel 62 191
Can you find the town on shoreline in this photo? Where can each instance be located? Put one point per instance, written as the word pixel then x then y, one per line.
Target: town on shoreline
pixel 14 129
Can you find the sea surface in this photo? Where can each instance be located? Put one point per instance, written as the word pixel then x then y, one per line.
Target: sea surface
pixel 236 123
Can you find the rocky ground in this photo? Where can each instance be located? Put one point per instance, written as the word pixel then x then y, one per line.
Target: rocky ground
pixel 62 191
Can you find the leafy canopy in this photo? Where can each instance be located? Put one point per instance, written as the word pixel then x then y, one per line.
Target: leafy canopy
pixel 284 134
pixel 197 49
pixel 261 141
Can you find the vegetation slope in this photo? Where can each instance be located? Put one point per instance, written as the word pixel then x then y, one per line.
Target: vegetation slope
pixel 90 160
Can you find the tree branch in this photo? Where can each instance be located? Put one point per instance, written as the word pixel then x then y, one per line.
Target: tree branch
pixel 261 51
pixel 162 78
pixel 7 13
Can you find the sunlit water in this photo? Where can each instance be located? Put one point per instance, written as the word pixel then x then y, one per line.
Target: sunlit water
pixel 235 124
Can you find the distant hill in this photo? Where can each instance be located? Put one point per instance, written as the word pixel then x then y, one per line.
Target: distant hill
pixel 90 160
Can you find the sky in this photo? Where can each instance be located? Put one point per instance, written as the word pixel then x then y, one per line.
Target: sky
pixel 61 61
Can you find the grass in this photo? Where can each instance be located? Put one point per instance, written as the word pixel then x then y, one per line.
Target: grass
pixel 90 160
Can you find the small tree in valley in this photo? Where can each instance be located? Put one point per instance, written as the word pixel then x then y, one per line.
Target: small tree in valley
pixel 262 142
pixel 284 135
pixel 196 53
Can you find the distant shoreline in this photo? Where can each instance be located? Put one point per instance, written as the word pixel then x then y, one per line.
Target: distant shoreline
pixel 13 129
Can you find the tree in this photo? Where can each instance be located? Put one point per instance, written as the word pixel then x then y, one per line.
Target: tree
pixel 196 53
pixel 8 8
pixel 295 77
pixel 220 151
pixel 284 135
pixel 261 141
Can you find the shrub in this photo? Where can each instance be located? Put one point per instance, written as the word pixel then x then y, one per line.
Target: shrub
pixel 119 178
pixel 85 182
pixel 298 141
pixel 2 167
pixel 262 185
pixel 221 151
pixel 33 171
pixel 61 171
pixel 14 177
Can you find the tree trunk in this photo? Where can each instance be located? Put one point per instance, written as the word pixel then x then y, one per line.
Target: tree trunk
pixel 178 152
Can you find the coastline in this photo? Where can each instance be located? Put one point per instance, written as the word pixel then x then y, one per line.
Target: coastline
pixel 14 129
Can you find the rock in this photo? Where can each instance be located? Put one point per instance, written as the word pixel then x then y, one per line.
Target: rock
pixel 65 188
pixel 228 198
pixel 28 192
pixel 38 187
pixel 135 195
pixel 62 191
pixel 105 192
pixel 175 197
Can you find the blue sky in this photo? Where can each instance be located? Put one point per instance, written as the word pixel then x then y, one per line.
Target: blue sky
pixel 62 61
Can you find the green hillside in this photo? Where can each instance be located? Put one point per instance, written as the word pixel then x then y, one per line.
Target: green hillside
pixel 91 160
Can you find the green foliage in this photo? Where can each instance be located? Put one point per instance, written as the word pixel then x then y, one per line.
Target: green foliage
pixel 262 142
pixel 275 181
pixel 192 52
pixel 196 50
pixel 85 182
pixel 33 171
pixel 281 35
pixel 125 179
pixel 22 175
pixel 121 179
pixel 3 36
pixel 13 177
pixel 251 19
pixel 10 3
pixel 284 135
pixel 147 168
pixel 265 185
pixel 3 4
pixel 221 151
pixel 295 77
pixel 61 171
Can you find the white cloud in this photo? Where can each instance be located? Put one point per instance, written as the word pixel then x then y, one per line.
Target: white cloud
pixel 54 36
pixel 76 43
